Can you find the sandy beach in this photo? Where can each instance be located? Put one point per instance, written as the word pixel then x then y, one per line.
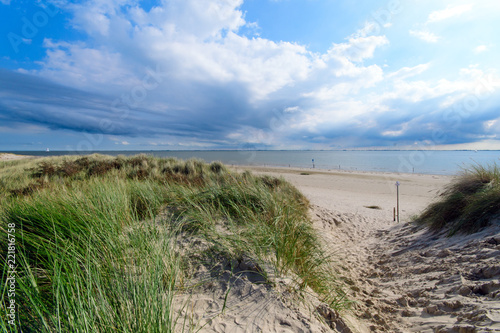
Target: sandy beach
pixel 352 192
pixel 11 157
pixel 400 277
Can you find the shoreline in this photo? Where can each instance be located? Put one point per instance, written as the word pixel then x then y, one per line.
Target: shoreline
pixel 292 169
pixel 4 156
pixel 412 161
pixel 354 192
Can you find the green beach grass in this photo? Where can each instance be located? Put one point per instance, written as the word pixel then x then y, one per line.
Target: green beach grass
pixel 97 238
pixel 469 204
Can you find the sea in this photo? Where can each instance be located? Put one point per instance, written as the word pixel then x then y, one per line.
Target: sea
pixel 438 162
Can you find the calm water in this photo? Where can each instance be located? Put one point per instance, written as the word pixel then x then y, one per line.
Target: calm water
pixel 428 162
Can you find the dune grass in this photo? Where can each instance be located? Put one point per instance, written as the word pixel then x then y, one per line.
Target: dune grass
pixel 469 204
pixel 97 238
pixel 81 268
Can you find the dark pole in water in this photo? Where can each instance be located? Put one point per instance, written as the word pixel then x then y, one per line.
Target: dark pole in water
pixel 397 194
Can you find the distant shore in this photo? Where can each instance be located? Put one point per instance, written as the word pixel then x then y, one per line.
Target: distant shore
pixel 11 157
pixel 423 162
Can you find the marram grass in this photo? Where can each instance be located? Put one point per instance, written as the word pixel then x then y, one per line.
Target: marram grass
pixel 97 238
pixel 470 203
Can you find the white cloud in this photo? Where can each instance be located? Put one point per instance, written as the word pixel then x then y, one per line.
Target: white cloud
pixel 215 80
pixel 332 116
pixel 350 80
pixel 490 123
pixel 471 82
pixel 341 74
pixel 195 54
pixel 180 37
pixel 292 109
pixel 449 12
pixel 396 133
pixel 80 66
pixel 480 49
pixel 5 2
pixel 358 48
pixel 189 44
pixel 407 72
pixel 425 35
pixel 199 19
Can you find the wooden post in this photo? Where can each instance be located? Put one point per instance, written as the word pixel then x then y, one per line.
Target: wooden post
pixel 394 215
pixel 397 194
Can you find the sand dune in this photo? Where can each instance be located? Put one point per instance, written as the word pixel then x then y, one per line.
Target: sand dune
pixel 401 277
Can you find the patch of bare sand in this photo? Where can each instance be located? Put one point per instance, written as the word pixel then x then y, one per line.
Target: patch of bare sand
pixel 11 157
pixel 438 284
pixel 238 295
pixel 402 278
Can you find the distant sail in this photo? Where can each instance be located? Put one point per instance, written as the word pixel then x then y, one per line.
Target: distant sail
pixel 47 150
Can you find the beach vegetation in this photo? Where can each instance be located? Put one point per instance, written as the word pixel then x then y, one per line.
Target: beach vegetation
pixel 97 239
pixel 470 203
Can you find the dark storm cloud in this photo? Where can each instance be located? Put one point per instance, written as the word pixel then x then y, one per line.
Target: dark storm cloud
pixel 207 112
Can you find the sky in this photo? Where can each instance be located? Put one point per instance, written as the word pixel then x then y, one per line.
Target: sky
pixel 249 74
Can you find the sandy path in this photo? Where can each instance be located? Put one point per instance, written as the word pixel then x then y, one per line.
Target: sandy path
pixel 402 279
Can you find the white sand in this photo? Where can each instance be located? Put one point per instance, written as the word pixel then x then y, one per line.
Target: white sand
pixel 350 192
pixel 10 157
pixel 402 278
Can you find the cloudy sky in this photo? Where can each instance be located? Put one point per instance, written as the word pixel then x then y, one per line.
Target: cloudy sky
pixel 249 74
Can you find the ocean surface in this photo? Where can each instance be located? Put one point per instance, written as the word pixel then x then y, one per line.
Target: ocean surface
pixel 426 162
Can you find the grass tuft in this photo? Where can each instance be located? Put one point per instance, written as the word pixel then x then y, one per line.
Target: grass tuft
pixel 469 204
pixel 217 167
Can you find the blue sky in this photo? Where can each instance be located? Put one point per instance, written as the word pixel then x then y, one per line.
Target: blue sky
pixel 253 74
